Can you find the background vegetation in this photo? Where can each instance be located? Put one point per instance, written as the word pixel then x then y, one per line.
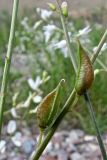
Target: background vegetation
pixel 40 60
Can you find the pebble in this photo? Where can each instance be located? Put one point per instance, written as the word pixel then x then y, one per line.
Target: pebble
pixel 76 156
pixel 2 146
pixel 65 145
pixel 27 146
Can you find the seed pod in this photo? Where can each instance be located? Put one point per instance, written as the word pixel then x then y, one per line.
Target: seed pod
pixel 52 6
pixel 64 8
pixel 48 108
pixel 85 74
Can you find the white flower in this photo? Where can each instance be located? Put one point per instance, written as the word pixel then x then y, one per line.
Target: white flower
pixel 45 14
pixel 24 23
pixel 34 84
pixel 48 31
pixel 84 31
pixel 63 46
pixel 11 127
pixel 2 146
pixel 37 99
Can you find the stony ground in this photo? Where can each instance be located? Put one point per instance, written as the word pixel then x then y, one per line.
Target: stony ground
pixel 65 145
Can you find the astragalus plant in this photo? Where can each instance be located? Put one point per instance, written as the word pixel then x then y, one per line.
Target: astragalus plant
pixel 49 114
pixel 50 111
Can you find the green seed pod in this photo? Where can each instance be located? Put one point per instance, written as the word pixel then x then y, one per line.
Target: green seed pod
pixel 64 8
pixel 85 74
pixel 52 6
pixel 49 107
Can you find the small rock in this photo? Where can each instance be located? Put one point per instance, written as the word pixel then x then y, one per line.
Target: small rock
pixel 27 146
pixel 17 139
pixel 48 157
pixel 62 155
pixel 73 136
pixel 2 146
pixel 16 158
pixel 76 156
pixel 3 157
pixel 89 138
pixel 80 133
pixel 11 127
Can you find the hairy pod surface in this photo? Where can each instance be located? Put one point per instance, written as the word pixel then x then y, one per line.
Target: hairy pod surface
pixel 48 108
pixel 85 74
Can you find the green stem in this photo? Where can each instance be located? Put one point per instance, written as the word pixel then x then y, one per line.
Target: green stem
pixel 95 55
pixel 70 49
pixel 40 137
pixel 7 62
pixel 92 115
pixel 49 135
pixel 91 111
pixel 43 145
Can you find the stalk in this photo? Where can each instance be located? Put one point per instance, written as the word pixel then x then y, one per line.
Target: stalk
pixel 70 49
pixel 40 137
pixel 8 62
pixel 100 45
pixel 86 95
pixel 72 97
pixel 92 115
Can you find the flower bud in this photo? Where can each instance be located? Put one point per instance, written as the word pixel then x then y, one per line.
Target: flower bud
pixel 49 107
pixel 52 6
pixel 85 74
pixel 64 8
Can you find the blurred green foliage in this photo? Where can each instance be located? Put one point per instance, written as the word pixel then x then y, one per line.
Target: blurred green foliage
pixel 40 55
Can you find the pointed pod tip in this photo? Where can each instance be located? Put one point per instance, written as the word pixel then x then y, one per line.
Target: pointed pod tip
pixel 62 82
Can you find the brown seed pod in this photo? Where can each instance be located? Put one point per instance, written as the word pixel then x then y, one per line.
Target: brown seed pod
pixel 85 74
pixel 48 108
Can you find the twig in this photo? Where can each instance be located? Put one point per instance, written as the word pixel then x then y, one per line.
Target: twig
pixel 100 45
pixel 70 49
pixel 43 145
pixel 92 115
pixel 91 111
pixel 8 61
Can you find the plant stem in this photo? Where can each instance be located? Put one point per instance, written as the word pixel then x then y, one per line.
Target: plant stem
pixel 8 61
pixel 103 39
pixel 90 108
pixel 67 105
pixel 92 115
pixel 40 137
pixel 49 135
pixel 70 49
